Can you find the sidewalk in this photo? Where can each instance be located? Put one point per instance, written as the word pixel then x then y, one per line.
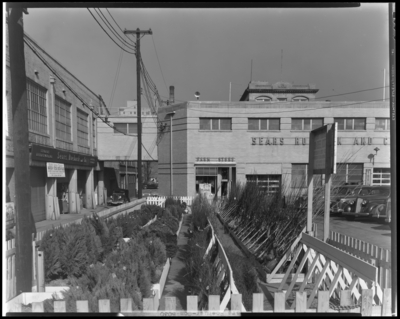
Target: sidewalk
pixel 175 284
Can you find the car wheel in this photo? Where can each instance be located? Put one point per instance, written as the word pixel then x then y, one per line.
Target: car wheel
pixel 350 218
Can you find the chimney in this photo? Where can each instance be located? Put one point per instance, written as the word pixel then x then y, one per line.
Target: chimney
pixel 171 95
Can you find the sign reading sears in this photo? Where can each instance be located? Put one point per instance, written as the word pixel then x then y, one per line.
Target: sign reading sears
pixel 55 170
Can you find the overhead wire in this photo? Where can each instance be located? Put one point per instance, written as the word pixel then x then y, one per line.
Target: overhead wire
pixel 166 87
pixel 111 28
pixel 108 34
pixel 116 78
pixel 120 28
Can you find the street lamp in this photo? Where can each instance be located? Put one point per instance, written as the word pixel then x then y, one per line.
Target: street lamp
pixel 171 114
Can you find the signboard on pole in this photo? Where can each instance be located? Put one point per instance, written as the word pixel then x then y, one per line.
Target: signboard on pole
pixel 323 148
pixel 55 170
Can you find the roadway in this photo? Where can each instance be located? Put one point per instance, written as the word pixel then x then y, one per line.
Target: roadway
pixel 370 230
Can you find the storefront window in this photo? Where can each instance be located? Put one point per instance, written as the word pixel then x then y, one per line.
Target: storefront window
pixel 263 124
pixel 381 176
pixel 206 175
pixel 268 183
pixel 63 119
pixel 345 124
pixel 83 130
pixel 348 174
pixel 216 124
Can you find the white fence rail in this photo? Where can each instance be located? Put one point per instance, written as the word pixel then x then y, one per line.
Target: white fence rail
pixel 160 201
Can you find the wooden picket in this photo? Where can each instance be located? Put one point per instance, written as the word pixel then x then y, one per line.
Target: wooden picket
pixel 365 308
pixel 160 201
pixel 377 256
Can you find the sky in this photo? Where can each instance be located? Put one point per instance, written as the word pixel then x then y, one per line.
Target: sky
pixel 341 50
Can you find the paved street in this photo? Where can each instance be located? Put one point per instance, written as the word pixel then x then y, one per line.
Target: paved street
pixel 369 230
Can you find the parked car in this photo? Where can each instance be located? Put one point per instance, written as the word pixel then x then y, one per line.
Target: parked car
pixel 118 197
pixel 373 201
pixel 150 185
pixel 343 194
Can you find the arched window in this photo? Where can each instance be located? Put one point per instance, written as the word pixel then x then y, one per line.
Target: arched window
pixel 263 98
pixel 300 99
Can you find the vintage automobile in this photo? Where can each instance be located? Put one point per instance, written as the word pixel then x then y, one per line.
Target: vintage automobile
pixel 117 198
pixel 373 201
pixel 150 185
pixel 343 194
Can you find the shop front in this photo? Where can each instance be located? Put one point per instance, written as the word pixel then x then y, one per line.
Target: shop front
pixel 66 176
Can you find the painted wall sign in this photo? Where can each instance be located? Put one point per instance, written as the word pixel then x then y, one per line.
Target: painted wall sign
pixel 215 159
pixel 305 141
pixel 55 170
pixel 47 154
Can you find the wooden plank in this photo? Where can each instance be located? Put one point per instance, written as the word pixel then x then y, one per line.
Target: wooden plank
pixel 236 302
pixel 59 306
pixel 323 301
pixel 309 272
pixel 40 271
pixel 335 281
pixel 170 303
pixel 366 304
pixel 258 302
pixel 345 298
pixel 279 301
pixel 300 267
pixel 125 304
pixel 318 282
pixel 294 259
pixel 191 303
pixel 82 306
pixel 148 304
pixel 37 307
pixel 355 265
pixel 213 303
pixel 387 302
pixel 301 301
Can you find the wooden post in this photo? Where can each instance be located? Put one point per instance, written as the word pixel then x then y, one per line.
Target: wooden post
pixel 126 304
pixel 148 304
pixel 258 302
pixel 37 307
pixel 82 306
pixel 40 271
pixel 301 301
pixel 323 301
pixel 279 301
pixel 104 305
pixel 20 140
pixel 59 306
pixel 387 302
pixel 366 302
pixel 213 302
pixel 191 303
pixel 328 182
pixel 236 302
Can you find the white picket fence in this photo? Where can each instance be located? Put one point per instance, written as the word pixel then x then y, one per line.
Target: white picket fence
pixel 160 201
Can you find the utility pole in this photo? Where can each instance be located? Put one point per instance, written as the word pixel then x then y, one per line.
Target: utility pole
pixel 138 32
pixel 24 220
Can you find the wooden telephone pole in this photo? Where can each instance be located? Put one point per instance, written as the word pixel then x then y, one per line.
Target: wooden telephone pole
pixel 138 32
pixel 20 137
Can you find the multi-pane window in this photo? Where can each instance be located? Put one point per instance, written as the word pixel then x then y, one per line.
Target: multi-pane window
pixel 263 124
pixel 268 183
pixel 63 119
pixel 94 132
pixel 216 124
pixel 83 129
pixel 299 124
pixel 350 124
pixel 125 128
pixel 300 176
pixel 382 124
pixel 37 110
pixel 348 174
pixel 381 176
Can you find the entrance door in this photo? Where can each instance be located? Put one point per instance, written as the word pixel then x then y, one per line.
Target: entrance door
pixel 38 193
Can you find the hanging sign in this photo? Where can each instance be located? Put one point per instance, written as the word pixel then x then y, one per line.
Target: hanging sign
pixel 55 170
pixel 205 188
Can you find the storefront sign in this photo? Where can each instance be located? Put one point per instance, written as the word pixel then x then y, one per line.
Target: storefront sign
pixel 215 159
pixel 55 170
pixel 47 154
pixel 205 188
pixel 305 141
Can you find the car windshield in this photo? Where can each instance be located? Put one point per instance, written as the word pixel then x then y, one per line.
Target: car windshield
pixel 375 191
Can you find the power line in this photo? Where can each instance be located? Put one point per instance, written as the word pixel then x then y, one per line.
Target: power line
pixel 382 87
pixel 120 28
pixel 108 24
pixel 108 34
pixel 166 87
pixel 116 78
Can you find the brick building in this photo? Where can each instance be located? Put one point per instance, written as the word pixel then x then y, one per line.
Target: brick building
pixel 61 130
pixel 264 139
